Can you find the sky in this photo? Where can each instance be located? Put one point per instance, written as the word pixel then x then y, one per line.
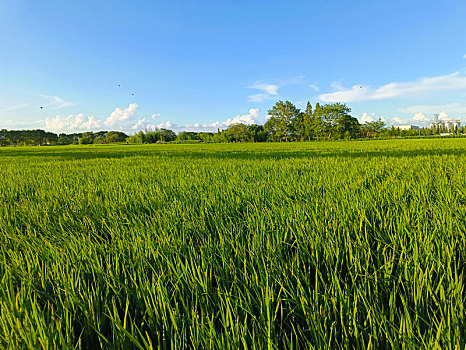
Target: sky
pixel 73 66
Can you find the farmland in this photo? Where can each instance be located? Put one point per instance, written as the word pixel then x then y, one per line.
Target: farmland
pixel 276 245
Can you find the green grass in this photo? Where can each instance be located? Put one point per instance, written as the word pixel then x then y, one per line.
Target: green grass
pixel 267 246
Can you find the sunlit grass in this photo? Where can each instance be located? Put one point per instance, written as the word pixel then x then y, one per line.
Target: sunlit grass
pixel 300 245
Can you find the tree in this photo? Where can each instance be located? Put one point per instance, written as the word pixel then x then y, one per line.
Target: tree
pixel 86 138
pixel 115 136
pixel 219 137
pixel 317 123
pixel 283 116
pixel 167 135
pixel 257 132
pixel 371 129
pixel 336 121
pixel 206 137
pixel 271 127
pixel 4 137
pixel 347 128
pixel 237 133
pixel 99 140
pixel 187 135
pixel 140 137
pixel 307 128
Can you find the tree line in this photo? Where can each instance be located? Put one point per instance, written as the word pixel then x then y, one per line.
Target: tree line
pixel 43 138
pixel 285 123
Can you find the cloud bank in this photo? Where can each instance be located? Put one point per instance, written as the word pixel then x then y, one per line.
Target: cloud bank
pixel 453 108
pixel 71 123
pixel 118 119
pixel 358 93
pixel 248 118
pixel 119 115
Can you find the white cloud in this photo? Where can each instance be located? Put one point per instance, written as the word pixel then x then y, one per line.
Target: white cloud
pixel 55 102
pixel 464 56
pixel 369 118
pixel 268 91
pixel 366 118
pixel 314 87
pixel 249 118
pixel 453 108
pixel 119 114
pixel 356 93
pixel 216 125
pixel 122 119
pixel 453 81
pixel 165 125
pixel 399 121
pixel 140 124
pixel 145 123
pixel 90 124
pixel 419 116
pixel 443 116
pixel 71 122
pixel 268 88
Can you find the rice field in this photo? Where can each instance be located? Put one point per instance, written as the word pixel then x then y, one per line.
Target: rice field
pixel 256 246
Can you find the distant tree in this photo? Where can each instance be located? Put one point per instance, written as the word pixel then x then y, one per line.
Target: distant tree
pixel 317 123
pixel 206 137
pixel 64 139
pixel 336 121
pixel 296 127
pixel 115 137
pixel 187 135
pixel 140 137
pixel 4 138
pixel 307 130
pixel 238 133
pixel 282 118
pixel 257 132
pixel 100 140
pixel 86 138
pixel 101 133
pixel 167 135
pixel 372 129
pixel 219 137
pixel 271 127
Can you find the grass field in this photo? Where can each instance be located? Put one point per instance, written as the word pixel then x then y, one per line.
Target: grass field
pixel 299 245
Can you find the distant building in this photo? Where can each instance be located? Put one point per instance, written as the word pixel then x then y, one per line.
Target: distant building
pixel 406 127
pixel 449 125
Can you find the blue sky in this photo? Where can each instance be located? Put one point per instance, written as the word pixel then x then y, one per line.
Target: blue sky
pixel 202 65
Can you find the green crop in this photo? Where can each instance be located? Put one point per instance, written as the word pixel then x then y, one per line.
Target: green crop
pixel 267 246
